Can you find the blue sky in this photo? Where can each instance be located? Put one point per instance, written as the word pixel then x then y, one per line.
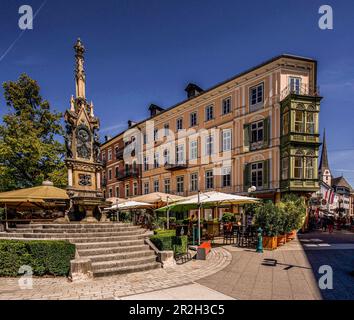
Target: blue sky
pixel 146 51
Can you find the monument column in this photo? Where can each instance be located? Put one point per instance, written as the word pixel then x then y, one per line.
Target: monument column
pixel 83 147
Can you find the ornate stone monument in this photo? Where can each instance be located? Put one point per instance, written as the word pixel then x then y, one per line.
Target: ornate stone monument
pixel 83 148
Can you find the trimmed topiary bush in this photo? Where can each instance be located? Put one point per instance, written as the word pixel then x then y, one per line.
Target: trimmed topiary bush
pixel 170 242
pixel 46 257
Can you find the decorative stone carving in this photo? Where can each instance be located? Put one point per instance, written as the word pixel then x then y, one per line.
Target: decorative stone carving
pixel 68 140
pixel 83 138
pixel 85 180
pixel 96 147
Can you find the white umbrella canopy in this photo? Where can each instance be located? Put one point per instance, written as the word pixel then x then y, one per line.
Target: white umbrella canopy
pixel 219 198
pixel 158 198
pixel 128 205
pixel 209 199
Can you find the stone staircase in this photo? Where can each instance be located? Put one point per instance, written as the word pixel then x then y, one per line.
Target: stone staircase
pixel 113 248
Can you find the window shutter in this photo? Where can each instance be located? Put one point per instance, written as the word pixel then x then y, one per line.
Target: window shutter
pixel 247 176
pixel 266 128
pixel 266 174
pixel 246 137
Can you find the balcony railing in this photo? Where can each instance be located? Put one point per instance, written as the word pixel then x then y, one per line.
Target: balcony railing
pixel 120 154
pixel 176 166
pixel 303 90
pixel 125 174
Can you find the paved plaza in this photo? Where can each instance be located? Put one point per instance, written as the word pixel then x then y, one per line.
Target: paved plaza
pixel 289 273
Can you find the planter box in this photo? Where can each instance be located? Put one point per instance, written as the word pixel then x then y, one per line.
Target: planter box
pixel 291 236
pixel 213 228
pixel 281 240
pixel 269 243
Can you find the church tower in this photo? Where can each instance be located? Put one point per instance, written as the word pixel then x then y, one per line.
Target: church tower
pixel 83 148
pixel 324 171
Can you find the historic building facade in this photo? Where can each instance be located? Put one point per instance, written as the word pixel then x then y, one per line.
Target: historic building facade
pixel 335 195
pixel 260 129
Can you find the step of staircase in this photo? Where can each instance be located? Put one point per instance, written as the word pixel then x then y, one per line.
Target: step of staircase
pixel 113 248
pixel 119 257
pixel 127 269
pixel 109 244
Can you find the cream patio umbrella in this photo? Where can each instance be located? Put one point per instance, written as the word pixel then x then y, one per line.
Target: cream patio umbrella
pixel 208 199
pixel 159 199
pixel 42 196
pixel 130 204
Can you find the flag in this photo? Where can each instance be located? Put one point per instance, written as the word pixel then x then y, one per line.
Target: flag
pixel 332 197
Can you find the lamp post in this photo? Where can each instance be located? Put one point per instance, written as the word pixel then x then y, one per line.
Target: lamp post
pixel 250 190
pixel 117 209
pixel 168 214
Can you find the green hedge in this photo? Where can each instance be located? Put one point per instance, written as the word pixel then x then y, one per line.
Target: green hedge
pixel 45 257
pixel 165 242
pixel 165 232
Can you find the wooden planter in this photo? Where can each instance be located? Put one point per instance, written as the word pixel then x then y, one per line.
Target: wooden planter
pixel 281 240
pixel 269 243
pixel 291 236
pixel 213 228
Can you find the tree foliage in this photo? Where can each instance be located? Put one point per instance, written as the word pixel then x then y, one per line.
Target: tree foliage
pixel 29 151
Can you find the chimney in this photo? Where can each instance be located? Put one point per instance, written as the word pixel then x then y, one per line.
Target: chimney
pixel 131 123
pixel 193 90
pixel 154 109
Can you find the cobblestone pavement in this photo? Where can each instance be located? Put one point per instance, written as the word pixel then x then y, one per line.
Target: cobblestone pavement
pixel 292 272
pixel 115 287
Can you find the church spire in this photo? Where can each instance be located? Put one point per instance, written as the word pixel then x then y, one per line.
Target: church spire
pixel 79 70
pixel 324 156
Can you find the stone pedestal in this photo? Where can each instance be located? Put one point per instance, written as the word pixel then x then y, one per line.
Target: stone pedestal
pixel 104 217
pixel 81 270
pixel 89 216
pixel 167 259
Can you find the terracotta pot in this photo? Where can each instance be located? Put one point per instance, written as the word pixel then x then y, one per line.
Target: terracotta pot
pixel 269 243
pixel 281 240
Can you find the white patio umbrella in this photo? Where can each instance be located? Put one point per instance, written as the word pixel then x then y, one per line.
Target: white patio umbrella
pixel 205 199
pixel 128 205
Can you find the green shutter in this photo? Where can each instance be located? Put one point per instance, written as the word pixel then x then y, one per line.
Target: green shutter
pixel 266 131
pixel 246 135
pixel 266 174
pixel 247 176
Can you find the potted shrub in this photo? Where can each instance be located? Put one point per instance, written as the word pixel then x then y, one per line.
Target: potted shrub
pixel 268 218
pixel 284 226
pixel 296 212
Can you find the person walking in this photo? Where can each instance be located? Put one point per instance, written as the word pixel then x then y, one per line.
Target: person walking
pixel 330 224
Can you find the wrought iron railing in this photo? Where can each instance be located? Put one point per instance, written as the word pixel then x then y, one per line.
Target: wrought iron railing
pixel 302 90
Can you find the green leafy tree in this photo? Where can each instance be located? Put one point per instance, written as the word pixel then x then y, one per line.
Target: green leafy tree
pixel 29 151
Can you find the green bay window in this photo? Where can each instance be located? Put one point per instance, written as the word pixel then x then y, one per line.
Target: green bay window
pixel 309 164
pixel 285 168
pixel 299 121
pixel 298 168
pixel 286 123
